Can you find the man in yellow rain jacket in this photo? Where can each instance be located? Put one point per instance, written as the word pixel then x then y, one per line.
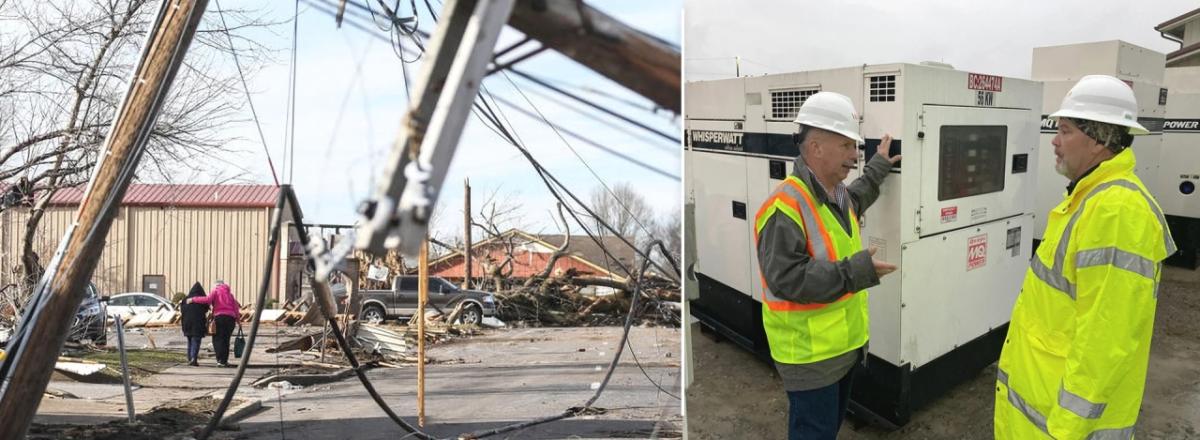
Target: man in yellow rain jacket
pixel 1074 362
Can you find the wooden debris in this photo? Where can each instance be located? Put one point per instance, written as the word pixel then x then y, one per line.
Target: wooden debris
pixel 303 343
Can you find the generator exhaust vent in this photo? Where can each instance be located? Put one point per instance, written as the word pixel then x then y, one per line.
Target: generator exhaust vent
pixel 883 88
pixel 785 103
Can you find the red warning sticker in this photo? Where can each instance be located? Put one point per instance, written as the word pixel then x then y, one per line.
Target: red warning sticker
pixel 990 83
pixel 950 215
pixel 976 252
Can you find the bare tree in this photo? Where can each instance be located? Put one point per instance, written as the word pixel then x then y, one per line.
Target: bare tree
pixel 624 209
pixel 669 229
pixel 64 67
pixel 500 214
pixel 558 253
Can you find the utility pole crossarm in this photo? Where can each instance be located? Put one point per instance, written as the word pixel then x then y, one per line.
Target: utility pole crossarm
pixel 626 55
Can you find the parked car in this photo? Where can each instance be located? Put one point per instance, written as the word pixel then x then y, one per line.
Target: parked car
pixel 91 319
pixel 133 303
pixel 401 300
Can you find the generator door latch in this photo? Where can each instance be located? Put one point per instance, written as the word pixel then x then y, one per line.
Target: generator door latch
pixel 777 169
pixel 739 209
pixel 1020 163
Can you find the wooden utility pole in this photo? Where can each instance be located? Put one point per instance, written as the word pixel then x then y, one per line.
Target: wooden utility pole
pixel 28 371
pixel 467 234
pixel 641 62
pixel 422 297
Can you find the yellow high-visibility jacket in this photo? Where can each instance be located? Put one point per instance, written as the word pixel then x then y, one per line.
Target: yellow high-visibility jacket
pixel 1074 362
pixel 807 333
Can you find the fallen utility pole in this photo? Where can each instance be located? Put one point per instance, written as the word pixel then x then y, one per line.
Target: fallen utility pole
pixel 626 55
pixel 397 214
pixel 28 371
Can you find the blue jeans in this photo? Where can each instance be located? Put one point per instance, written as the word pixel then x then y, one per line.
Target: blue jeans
pixel 817 414
pixel 194 347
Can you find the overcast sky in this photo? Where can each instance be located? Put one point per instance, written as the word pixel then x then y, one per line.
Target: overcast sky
pixel 350 99
pixel 994 37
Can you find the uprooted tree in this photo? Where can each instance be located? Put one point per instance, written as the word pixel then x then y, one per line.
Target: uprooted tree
pixel 564 295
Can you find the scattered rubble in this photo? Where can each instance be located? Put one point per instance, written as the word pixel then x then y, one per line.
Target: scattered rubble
pixel 567 307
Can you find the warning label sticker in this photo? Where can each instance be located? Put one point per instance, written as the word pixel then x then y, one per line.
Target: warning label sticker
pixel 976 252
pixel 950 215
pixel 990 83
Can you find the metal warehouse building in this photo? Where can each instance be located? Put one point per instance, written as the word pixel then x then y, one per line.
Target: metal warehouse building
pixel 166 237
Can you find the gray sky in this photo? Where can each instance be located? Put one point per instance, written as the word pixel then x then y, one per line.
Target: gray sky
pixel 350 99
pixel 994 37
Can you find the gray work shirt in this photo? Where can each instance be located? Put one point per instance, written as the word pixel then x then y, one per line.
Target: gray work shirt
pixel 793 275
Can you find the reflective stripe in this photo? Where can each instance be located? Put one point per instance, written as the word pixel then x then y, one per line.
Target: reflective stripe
pixel 1030 413
pixel 793 196
pixel 1053 278
pixel 1061 252
pixel 1116 257
pixel 1112 434
pixel 1039 420
pixel 1017 402
pixel 1078 405
pixel 1167 241
pixel 822 245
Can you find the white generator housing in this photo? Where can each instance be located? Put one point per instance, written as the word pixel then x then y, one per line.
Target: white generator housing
pixel 1180 170
pixel 1060 67
pixel 956 215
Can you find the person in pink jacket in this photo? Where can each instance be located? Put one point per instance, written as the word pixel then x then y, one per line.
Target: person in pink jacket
pixel 226 312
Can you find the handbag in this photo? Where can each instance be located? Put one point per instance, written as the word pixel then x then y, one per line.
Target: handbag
pixel 212 325
pixel 239 343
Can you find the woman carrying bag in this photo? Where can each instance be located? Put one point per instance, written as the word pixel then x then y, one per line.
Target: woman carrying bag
pixel 194 323
pixel 226 312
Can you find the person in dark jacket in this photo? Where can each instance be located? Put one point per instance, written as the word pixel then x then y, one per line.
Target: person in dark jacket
pixel 195 323
pixel 226 312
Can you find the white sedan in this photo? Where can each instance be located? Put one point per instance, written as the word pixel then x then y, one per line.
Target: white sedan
pixel 136 303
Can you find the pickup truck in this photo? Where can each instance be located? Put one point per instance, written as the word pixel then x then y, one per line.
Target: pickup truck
pixel 401 300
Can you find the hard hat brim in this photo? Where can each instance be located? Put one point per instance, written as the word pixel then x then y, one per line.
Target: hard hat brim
pixel 1135 128
pixel 857 138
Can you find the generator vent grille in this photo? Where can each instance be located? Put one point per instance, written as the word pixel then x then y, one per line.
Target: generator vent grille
pixel 883 88
pixel 785 103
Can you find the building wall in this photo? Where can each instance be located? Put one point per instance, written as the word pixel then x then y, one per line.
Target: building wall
pixel 184 245
pixel 1191 33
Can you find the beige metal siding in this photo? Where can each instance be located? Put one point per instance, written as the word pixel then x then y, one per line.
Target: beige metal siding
pixel 184 245
pixel 109 274
pixel 199 244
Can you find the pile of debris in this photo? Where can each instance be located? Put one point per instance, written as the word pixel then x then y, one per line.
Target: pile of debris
pixel 566 306
pixel 386 344
pixel 290 314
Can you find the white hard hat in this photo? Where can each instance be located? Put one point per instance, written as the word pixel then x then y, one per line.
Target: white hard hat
pixel 1102 98
pixel 830 111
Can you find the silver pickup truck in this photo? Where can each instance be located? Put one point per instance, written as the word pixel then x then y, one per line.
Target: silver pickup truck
pixel 401 300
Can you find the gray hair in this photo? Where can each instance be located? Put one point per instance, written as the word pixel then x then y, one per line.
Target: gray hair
pixel 1114 137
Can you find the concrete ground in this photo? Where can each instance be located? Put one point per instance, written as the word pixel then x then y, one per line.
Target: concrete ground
pixel 736 395
pixel 481 382
pixel 496 379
